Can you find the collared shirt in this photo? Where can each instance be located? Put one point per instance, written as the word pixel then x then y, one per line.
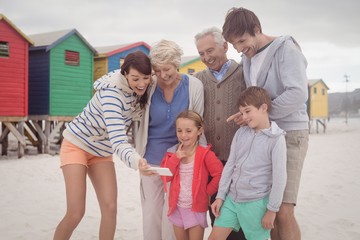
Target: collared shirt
pixel 219 75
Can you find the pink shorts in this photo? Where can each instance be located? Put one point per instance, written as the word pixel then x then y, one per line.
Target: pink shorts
pixel 72 154
pixel 185 218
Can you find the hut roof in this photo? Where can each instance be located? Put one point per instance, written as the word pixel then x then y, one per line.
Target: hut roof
pixel 186 60
pixel 312 82
pixel 51 39
pixel 114 49
pixel 3 17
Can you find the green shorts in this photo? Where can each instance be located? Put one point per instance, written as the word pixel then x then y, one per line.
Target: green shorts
pixel 245 215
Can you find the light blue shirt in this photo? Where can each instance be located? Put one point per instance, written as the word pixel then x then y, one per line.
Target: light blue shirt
pixel 162 130
pixel 219 75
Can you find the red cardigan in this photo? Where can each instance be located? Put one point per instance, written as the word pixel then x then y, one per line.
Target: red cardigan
pixel 206 163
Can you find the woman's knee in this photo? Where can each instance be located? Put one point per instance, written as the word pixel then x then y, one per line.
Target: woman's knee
pixel 109 208
pixel 74 216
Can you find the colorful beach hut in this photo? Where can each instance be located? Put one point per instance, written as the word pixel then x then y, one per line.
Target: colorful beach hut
pixel 60 73
pixel 14 50
pixel 14 56
pixel 109 58
pixel 191 65
pixel 318 103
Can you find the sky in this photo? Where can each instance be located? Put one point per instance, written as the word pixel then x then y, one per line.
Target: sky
pixel 327 30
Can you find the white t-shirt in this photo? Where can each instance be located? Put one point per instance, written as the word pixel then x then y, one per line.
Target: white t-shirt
pixel 256 62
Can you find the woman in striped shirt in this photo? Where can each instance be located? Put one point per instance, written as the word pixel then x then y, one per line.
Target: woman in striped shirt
pixel 95 135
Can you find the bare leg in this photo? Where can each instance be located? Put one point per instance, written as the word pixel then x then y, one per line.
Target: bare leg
pixel 286 227
pixel 196 233
pixel 75 184
pixel 181 233
pixel 219 233
pixel 103 178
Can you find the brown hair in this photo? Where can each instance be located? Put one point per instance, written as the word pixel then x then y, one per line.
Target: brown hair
pixel 239 21
pixel 192 115
pixel 255 96
pixel 140 62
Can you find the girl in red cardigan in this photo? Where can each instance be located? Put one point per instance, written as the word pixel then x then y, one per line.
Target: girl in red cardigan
pixel 191 165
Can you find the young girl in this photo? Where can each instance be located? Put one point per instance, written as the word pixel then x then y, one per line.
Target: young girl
pixel 190 190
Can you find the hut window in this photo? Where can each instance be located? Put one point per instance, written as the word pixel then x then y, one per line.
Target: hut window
pixel 72 58
pixel 323 91
pixel 191 71
pixel 4 49
pixel 315 90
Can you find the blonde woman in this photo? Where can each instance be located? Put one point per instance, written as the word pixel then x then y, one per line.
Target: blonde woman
pixel 172 93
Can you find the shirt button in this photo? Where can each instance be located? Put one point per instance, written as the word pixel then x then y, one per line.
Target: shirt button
pixel 218 137
pixel 218 101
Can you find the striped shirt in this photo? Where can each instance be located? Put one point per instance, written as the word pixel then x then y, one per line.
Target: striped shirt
pixel 100 128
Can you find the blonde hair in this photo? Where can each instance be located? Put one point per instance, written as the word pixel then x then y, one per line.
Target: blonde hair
pixel 194 116
pixel 165 52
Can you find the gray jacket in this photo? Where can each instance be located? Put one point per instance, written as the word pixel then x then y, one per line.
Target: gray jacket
pixel 256 167
pixel 283 75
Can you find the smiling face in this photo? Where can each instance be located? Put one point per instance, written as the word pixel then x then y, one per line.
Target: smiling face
pixel 138 82
pixel 255 118
pixel 246 44
pixel 166 74
pixel 187 132
pixel 212 54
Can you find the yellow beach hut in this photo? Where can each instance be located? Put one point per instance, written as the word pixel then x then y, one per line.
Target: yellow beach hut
pixel 318 103
pixel 191 65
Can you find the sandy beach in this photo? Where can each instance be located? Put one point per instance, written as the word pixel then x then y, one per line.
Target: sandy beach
pixel 32 193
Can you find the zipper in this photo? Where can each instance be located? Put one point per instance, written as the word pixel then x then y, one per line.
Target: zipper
pixel 251 144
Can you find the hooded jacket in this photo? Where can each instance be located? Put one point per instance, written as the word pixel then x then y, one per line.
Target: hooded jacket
pixel 206 164
pixel 283 75
pixel 100 128
pixel 256 167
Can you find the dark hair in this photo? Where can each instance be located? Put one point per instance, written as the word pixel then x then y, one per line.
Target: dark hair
pixel 239 21
pixel 255 96
pixel 140 62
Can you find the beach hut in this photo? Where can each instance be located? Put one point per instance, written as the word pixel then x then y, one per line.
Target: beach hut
pixel 60 73
pixel 14 56
pixel 14 50
pixel 191 65
pixel 109 58
pixel 318 103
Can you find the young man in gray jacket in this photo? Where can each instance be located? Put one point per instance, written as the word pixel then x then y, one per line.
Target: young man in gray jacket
pixel 223 82
pixel 278 65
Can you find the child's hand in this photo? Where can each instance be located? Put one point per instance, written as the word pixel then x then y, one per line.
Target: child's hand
pixel 268 220
pixel 215 207
pixel 180 153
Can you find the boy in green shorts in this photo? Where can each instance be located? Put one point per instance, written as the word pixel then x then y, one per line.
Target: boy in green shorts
pixel 254 178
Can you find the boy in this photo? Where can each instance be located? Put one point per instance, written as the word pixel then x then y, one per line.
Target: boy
pixel 254 178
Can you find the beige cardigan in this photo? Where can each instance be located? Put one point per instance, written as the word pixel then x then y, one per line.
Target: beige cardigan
pixel 196 95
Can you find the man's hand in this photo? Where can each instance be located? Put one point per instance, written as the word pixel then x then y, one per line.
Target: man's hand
pixel 237 118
